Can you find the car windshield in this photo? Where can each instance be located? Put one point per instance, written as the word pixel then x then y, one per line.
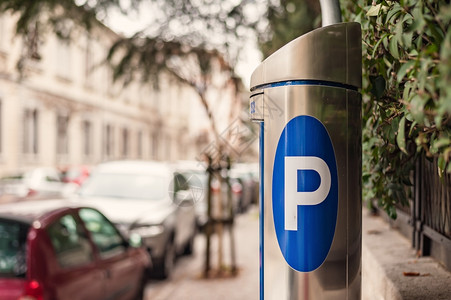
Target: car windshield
pixel 127 186
pixel 13 237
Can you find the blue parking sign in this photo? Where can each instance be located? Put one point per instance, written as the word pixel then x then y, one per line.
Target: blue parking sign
pixel 305 193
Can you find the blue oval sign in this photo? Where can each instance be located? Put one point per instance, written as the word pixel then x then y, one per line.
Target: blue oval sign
pixel 305 193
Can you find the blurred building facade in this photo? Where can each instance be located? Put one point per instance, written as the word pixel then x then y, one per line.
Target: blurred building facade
pixel 63 107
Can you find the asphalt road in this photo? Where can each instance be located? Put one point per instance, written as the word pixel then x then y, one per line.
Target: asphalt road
pixel 187 283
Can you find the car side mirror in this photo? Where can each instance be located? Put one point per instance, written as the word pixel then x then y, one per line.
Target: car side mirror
pixel 135 240
pixel 184 198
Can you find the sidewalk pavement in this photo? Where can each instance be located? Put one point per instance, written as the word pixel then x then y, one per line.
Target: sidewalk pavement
pixel 392 270
pixel 187 282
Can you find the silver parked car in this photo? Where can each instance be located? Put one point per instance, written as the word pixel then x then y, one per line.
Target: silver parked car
pixel 148 198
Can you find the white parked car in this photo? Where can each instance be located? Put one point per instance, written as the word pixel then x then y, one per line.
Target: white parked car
pixel 148 198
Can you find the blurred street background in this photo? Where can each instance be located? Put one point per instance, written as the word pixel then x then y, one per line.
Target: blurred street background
pixel 127 156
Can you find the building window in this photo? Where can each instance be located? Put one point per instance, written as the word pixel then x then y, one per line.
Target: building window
pixel 1 128
pixel 139 151
pixel 108 141
pixel 30 131
pixel 124 142
pixel 154 145
pixel 63 56
pixel 62 140
pixel 87 138
pixel 2 33
pixel 168 148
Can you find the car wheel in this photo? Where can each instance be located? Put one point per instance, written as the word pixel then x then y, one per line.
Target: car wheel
pixel 165 268
pixel 189 247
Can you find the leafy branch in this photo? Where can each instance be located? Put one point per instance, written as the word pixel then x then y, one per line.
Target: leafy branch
pixel 406 92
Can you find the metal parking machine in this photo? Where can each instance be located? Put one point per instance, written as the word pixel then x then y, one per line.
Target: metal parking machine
pixel 306 98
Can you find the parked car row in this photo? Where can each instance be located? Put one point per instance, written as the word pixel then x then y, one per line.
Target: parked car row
pixel 243 180
pixel 126 215
pixel 35 183
pixel 247 176
pixel 41 183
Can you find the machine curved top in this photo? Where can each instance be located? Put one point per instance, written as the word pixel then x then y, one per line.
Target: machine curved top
pixel 332 53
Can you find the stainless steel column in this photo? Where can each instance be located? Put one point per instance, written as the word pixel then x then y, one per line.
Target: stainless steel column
pixel 306 97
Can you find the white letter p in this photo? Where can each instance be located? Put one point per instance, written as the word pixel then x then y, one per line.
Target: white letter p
pixel 293 198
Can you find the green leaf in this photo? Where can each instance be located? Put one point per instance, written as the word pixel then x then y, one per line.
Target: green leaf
pixel 417 109
pixel 399 32
pixel 378 84
pixel 406 94
pixel 444 105
pixel 413 52
pixel 374 11
pixel 407 19
pixel 406 67
pixel 393 13
pixel 391 211
pixel 366 176
pixel 442 142
pixel 400 138
pixel 393 47
pixel 407 39
pixel 418 21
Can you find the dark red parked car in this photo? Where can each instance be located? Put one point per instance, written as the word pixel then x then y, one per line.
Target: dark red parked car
pixel 49 252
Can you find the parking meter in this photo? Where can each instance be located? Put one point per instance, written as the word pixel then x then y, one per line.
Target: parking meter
pixel 306 98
